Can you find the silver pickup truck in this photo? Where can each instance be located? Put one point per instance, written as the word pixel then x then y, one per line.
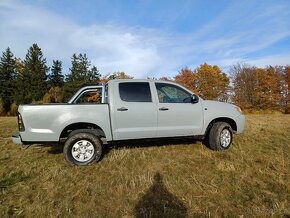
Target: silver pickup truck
pixel 125 110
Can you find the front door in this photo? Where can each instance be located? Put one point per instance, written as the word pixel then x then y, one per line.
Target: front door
pixel 135 113
pixel 177 116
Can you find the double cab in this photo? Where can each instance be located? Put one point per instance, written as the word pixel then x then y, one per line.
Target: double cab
pixel 126 110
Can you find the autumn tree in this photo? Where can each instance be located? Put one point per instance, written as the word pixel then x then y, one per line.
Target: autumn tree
pixel 257 88
pixel 116 75
pixel 104 78
pixel 285 100
pixel 186 78
pixel 7 78
pixel 244 82
pixel 211 82
pixel 206 80
pixel 55 83
pixel 54 95
pixel 165 78
pixel 120 75
pixel 268 87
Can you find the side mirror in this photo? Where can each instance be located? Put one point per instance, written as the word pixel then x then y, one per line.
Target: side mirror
pixel 194 99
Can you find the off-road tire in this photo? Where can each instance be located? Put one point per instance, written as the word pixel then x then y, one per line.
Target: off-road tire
pixel 214 137
pixel 79 136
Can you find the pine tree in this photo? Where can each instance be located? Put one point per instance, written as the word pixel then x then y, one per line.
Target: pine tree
pixel 80 65
pixel 19 94
pixel 93 76
pixel 7 78
pixel 34 75
pixel 80 75
pixel 56 79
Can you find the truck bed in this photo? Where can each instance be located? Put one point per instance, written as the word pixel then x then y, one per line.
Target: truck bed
pixel 45 122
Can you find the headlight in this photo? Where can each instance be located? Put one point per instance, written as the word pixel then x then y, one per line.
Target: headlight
pixel 239 110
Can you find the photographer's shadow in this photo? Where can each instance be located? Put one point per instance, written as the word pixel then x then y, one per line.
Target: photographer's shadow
pixel 159 202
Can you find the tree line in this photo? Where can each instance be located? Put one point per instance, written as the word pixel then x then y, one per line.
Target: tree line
pixel 252 88
pixel 31 81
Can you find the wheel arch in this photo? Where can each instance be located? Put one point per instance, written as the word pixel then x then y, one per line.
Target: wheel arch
pixel 228 120
pixel 81 125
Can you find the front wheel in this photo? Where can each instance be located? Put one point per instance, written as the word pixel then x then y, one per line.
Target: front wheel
pixel 82 147
pixel 220 136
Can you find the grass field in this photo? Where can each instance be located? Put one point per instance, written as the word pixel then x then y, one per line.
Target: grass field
pixel 164 178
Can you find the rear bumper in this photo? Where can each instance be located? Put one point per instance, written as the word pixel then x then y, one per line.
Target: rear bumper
pixel 16 138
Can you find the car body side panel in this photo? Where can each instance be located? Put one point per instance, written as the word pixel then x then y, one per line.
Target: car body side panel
pixel 214 110
pixel 140 119
pixel 240 121
pixel 46 122
pixel 181 119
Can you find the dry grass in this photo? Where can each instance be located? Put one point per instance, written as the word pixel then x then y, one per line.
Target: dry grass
pixel 251 179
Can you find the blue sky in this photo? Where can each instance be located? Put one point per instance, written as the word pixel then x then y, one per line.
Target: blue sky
pixel 150 38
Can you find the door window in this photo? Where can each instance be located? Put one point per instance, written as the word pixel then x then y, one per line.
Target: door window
pixel 135 92
pixel 169 93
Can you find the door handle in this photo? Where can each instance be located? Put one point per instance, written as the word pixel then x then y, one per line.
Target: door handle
pixel 163 109
pixel 122 109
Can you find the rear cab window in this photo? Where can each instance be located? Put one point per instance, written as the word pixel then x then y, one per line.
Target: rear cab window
pixel 90 97
pixel 135 91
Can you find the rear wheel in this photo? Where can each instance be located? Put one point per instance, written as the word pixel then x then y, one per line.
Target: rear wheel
pixel 220 136
pixel 82 147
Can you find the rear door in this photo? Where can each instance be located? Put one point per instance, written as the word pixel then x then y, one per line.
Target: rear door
pixel 177 116
pixel 135 113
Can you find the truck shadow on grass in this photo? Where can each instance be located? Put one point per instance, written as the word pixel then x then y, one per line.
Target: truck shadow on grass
pixel 159 202
pixel 132 144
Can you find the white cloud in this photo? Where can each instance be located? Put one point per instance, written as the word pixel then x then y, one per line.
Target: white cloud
pixel 273 60
pixel 233 36
pixel 239 31
pixel 110 47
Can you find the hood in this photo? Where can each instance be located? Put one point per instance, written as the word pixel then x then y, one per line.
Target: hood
pixel 220 108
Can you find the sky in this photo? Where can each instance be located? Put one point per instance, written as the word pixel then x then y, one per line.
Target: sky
pixel 149 37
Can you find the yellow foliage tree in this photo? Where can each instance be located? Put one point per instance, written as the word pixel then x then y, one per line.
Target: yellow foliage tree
pixel 2 111
pixel 121 75
pixel 54 95
pixel 267 89
pixel 13 109
pixel 116 75
pixel 258 88
pixel 186 78
pixel 95 97
pixel 211 82
pixel 206 80
pixel 165 78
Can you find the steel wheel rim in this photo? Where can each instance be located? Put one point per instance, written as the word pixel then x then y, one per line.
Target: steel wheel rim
pixel 82 150
pixel 225 138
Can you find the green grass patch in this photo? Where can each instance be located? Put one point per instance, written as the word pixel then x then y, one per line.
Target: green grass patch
pixel 11 179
